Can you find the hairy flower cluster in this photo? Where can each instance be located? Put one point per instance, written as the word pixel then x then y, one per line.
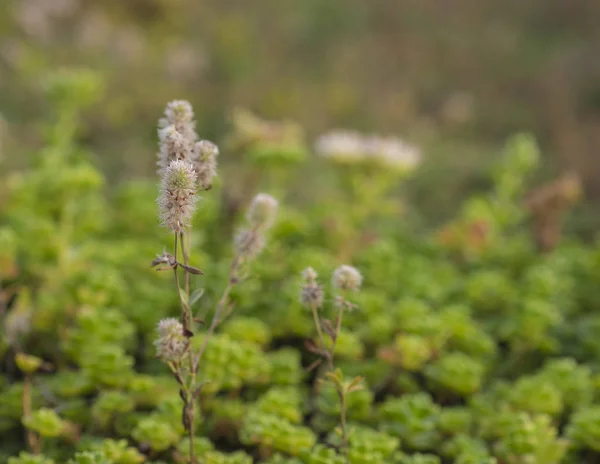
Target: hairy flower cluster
pixel 349 147
pixel 262 211
pixel 347 278
pixel 177 198
pixel 180 115
pixel 185 165
pixel 171 343
pixel 178 141
pixel 250 241
pixel 311 293
pixel 205 162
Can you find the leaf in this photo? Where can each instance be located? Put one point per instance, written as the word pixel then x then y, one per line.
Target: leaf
pixel 196 295
pixel 185 299
pixel 191 269
pixel 355 385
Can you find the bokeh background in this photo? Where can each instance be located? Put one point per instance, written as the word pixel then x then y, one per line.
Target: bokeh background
pixel 454 77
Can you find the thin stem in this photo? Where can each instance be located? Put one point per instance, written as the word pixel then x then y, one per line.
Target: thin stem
pixel 338 327
pixel 185 247
pixel 323 347
pixel 32 441
pixel 343 424
pixel 220 306
pixel 214 323
pixel 186 321
pixel 175 247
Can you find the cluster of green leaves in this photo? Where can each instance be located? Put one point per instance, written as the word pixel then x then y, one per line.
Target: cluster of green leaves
pixel 475 347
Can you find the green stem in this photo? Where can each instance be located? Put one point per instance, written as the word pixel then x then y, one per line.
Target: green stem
pixel 320 332
pixel 220 306
pixel 338 328
pixel 185 319
pixel 185 247
pixel 343 424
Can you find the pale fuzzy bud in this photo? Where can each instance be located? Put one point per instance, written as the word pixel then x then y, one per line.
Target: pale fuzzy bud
pixel 180 114
pixel 171 344
pixel 262 211
pixel 177 198
pixel 347 278
pixel 174 146
pixel 249 243
pixel 309 274
pixel 205 162
pixel 311 292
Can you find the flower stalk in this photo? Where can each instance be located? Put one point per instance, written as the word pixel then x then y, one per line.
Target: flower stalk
pixel 187 166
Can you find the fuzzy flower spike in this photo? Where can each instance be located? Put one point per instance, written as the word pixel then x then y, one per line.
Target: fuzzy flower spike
pixel 250 241
pixel 347 278
pixel 262 211
pixel 177 198
pixel 171 343
pixel 205 163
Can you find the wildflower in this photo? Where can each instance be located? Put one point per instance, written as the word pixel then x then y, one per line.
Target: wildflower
pixel 392 152
pixel 311 293
pixel 180 115
pixel 174 146
pixel 205 162
pixel 171 343
pixel 349 147
pixel 262 211
pixel 341 146
pixel 347 278
pixel 177 198
pixel 176 134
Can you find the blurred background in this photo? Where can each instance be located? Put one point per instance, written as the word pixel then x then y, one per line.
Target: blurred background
pixel 454 77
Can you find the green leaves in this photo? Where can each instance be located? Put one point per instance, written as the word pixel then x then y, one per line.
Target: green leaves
pixel 45 422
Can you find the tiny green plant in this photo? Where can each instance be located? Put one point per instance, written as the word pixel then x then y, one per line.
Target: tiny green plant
pixel 345 279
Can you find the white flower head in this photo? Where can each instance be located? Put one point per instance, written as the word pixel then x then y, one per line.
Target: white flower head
pixel 177 198
pixel 347 278
pixel 171 343
pixel 262 211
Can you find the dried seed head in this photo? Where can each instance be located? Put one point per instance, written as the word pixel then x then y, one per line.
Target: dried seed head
pixel 177 198
pixel 262 211
pixel 311 293
pixel 347 278
pixel 205 162
pixel 249 243
pixel 171 343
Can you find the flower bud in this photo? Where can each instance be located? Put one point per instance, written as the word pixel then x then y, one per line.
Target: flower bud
pixel 262 211
pixel 179 113
pixel 177 198
pixel 205 162
pixel 347 278
pixel 171 343
pixel 173 146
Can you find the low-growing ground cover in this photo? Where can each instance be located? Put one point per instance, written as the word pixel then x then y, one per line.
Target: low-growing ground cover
pixel 477 343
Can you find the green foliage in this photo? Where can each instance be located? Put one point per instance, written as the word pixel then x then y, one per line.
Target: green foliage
pixel 413 418
pixel 271 431
pixel 45 422
pixel 584 428
pixel 473 350
pixel 26 458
